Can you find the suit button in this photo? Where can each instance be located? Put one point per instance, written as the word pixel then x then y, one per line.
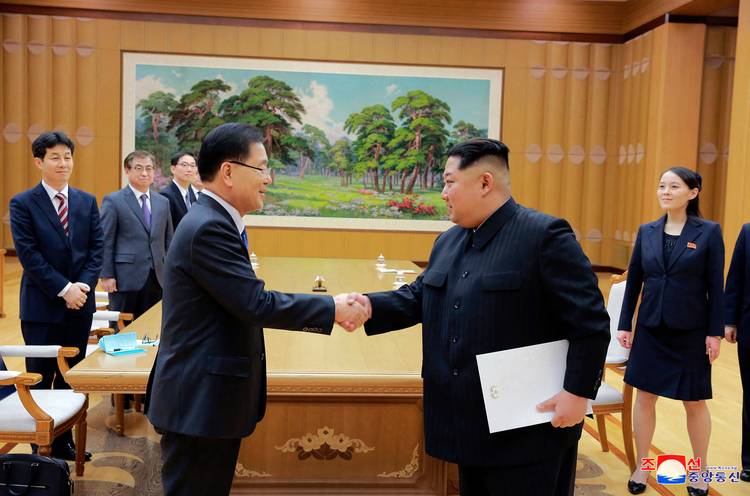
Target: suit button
pixel 262 356
pixel 465 275
pixel 455 372
pixel 457 305
pixel 454 339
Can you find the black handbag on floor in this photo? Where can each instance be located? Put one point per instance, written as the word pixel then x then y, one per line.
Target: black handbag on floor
pixel 34 475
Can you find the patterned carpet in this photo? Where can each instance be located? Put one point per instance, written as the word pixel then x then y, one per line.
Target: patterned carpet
pixel 129 465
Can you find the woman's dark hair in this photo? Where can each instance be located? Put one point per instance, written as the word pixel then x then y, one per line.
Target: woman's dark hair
pixel 693 180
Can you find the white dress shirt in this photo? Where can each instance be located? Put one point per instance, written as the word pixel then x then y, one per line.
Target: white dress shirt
pixel 233 212
pixel 51 192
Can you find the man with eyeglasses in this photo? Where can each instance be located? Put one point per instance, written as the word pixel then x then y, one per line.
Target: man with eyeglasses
pixel 180 192
pixel 207 389
pixel 137 229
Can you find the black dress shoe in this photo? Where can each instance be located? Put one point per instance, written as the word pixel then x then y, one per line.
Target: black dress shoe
pixel 694 491
pixel 636 487
pixel 745 474
pixel 68 452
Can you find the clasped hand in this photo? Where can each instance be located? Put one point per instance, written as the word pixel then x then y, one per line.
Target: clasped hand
pixel 352 310
pixel 76 295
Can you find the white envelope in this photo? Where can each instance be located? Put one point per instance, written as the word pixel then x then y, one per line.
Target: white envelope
pixel 515 381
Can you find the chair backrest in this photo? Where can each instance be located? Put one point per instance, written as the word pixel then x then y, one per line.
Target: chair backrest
pixel 615 352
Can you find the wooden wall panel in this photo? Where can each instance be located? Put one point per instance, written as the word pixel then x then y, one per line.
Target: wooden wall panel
pixel 736 201
pixel 16 157
pixel 511 15
pixel 713 139
pixel 574 131
pixel 593 188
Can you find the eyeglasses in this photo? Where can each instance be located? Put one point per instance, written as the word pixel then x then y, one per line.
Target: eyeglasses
pixel 188 165
pixel 263 172
pixel 140 168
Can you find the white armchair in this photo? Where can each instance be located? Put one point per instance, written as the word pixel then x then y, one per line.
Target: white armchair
pixel 608 399
pixel 100 326
pixel 40 415
pixel 102 300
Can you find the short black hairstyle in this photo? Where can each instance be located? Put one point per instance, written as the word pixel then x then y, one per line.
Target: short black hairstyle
pixel 229 141
pixel 177 156
pixel 128 162
pixel 48 140
pixel 472 150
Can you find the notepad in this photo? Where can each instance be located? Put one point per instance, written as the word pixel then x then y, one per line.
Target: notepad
pixel 515 381
pixel 124 343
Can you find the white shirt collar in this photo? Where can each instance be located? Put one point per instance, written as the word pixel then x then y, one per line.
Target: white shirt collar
pixel 183 191
pixel 51 192
pixel 233 212
pixel 139 193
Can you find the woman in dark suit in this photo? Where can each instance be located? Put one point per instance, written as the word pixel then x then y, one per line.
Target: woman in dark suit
pixel 678 260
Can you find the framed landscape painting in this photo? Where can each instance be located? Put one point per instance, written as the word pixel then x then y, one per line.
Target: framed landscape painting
pixel 353 146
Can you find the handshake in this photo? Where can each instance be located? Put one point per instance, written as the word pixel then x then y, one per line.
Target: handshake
pixel 352 310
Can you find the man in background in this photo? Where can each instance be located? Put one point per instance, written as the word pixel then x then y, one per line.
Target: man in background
pixel 180 192
pixel 137 229
pixel 58 239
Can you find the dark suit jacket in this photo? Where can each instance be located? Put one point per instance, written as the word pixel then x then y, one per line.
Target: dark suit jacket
pixel 176 202
pixel 521 279
pixel 685 293
pixel 737 294
pixel 50 259
pixel 131 249
pixel 209 378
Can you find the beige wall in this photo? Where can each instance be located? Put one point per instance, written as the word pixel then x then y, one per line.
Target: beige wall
pixel 569 109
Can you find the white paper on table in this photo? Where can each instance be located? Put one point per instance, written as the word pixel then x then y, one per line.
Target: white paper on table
pixel 515 381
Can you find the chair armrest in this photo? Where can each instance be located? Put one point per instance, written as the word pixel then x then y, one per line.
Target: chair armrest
pixel 14 378
pixel 62 363
pixel 32 351
pixel 616 363
pixel 24 394
pixel 104 331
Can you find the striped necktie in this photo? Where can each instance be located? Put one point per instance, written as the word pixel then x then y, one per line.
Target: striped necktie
pixel 62 212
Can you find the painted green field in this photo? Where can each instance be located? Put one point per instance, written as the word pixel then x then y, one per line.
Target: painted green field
pixel 319 196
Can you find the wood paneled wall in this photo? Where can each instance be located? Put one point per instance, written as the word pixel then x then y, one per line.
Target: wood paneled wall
pixel 577 116
pixel 736 200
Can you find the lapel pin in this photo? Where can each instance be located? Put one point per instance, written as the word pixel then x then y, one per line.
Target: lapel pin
pixel 692 245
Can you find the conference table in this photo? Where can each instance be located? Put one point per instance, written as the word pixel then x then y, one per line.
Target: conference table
pixel 344 411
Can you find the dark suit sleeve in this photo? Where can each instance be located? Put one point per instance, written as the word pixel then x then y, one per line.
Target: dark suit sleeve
pixel 93 265
pixel 220 268
pixel 109 232
pixel 715 283
pixel 393 310
pixel 735 283
pixel 633 286
pixel 170 229
pixel 571 293
pixel 165 194
pixel 27 248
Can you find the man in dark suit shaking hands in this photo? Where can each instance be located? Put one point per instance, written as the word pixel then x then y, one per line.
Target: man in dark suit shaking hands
pixel 504 277
pixel 207 389
pixel 59 242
